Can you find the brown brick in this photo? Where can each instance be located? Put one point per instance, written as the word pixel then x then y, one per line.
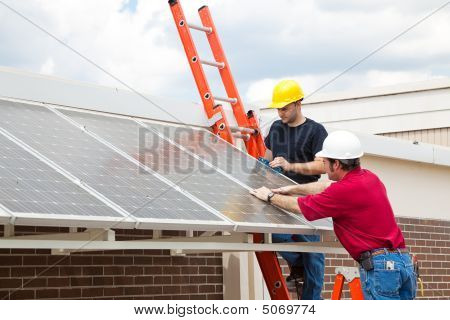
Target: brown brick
pixel 207 289
pixel 144 260
pixel 92 271
pixel 91 292
pixel 152 270
pixel 153 252
pixel 214 261
pixel 35 283
pixel 143 280
pixel 47 294
pixel 111 271
pixel 171 289
pixel 35 260
pixel 11 261
pixel 6 272
pixel 81 260
pixel 103 281
pixel 162 280
pixel 198 261
pixel 23 272
pixel 22 295
pixel 58 260
pixel 58 282
pixel 197 279
pixel 189 270
pixel 70 293
pixel 180 279
pixel 113 292
pixel 123 281
pixel 215 296
pixel 189 289
pixel 180 261
pixel 102 260
pixel 206 270
pixel 198 297
pixel 134 271
pixel 80 281
pixel 130 291
pixel 215 279
pixel 123 260
pixel 14 283
pixel 152 290
pixel 162 261
pixel 171 270
pixel 69 271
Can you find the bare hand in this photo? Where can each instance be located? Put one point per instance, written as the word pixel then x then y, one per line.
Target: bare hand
pixel 261 193
pixel 280 162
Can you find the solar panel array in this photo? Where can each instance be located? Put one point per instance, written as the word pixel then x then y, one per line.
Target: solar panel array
pixel 72 163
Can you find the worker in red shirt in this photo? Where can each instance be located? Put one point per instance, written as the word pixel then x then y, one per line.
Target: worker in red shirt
pixel 362 217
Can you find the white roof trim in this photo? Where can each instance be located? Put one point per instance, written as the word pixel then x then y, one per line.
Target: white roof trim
pixel 420 86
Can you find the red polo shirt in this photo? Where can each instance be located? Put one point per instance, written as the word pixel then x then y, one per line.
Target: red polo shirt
pixel 362 215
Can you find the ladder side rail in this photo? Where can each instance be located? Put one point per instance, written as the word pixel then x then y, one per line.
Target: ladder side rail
pixel 220 125
pixel 255 145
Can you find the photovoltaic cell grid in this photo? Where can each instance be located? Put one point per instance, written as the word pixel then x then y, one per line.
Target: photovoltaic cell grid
pixel 29 185
pixel 189 173
pixel 231 160
pixel 142 195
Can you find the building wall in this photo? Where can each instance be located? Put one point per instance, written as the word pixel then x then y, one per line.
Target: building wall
pixel 439 136
pixel 129 274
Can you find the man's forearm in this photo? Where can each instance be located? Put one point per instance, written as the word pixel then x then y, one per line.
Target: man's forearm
pixel 286 202
pixel 308 168
pixel 308 188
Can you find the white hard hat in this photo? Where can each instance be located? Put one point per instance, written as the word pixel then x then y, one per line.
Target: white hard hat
pixel 341 145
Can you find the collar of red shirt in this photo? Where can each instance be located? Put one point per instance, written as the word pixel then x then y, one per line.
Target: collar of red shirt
pixel 356 171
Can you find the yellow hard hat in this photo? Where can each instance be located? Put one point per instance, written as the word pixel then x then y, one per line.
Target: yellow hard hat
pixel 285 92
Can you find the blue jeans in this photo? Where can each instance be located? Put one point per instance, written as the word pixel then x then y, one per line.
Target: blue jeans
pixel 393 278
pixel 313 264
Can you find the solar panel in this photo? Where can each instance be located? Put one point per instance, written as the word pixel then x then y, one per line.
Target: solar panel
pixel 141 194
pixel 231 160
pixel 200 180
pixel 29 187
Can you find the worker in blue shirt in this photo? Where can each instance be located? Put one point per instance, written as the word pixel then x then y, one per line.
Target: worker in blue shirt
pixel 291 144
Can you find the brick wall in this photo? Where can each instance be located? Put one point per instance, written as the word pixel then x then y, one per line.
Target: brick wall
pixel 130 274
pixel 154 274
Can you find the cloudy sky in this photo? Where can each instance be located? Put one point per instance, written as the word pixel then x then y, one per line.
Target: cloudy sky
pixel 265 41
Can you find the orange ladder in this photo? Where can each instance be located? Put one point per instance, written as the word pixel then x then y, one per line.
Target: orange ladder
pixel 248 127
pixel 351 274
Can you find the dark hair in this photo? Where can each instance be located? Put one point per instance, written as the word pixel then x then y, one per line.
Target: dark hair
pixel 346 164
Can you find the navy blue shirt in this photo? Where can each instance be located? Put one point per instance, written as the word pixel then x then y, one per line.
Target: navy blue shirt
pixel 296 144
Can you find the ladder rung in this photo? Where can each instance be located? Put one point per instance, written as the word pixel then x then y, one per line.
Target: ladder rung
pixel 245 137
pixel 200 28
pixel 219 65
pixel 242 129
pixel 229 100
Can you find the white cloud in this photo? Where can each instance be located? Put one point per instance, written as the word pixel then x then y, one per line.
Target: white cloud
pixel 310 40
pixel 48 67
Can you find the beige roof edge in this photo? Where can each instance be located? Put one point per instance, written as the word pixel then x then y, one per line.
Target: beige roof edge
pixel 402 149
pixel 433 84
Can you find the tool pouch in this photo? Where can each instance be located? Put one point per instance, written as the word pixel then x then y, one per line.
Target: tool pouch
pixel 366 261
